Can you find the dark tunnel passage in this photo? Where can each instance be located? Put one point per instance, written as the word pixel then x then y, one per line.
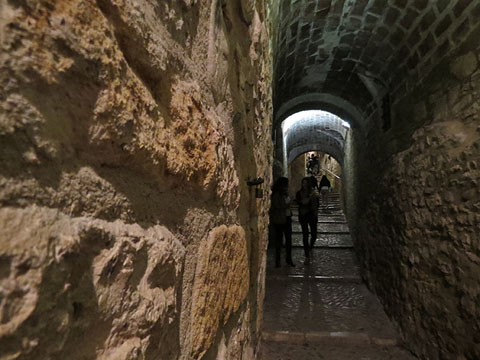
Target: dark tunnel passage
pixel 405 75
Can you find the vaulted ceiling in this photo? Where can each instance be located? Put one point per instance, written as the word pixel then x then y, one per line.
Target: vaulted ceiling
pixel 346 55
pixel 314 130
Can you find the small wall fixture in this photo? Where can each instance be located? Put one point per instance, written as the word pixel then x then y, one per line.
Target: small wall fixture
pixel 255 182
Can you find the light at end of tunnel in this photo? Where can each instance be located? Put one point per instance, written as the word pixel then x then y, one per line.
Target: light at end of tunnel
pixel 319 115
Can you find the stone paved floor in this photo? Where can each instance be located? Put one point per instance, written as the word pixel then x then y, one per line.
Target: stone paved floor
pixel 329 240
pixel 323 310
pixel 273 350
pixel 325 262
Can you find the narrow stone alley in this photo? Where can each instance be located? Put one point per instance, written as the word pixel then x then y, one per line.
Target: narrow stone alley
pixel 323 310
pixel 139 144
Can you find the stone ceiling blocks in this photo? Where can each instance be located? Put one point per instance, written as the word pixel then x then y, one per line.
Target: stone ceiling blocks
pixel 391 39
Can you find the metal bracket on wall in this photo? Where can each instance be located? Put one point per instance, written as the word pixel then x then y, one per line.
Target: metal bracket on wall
pixel 255 182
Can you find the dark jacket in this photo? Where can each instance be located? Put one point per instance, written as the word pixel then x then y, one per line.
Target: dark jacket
pixel 324 182
pixel 278 209
pixel 311 208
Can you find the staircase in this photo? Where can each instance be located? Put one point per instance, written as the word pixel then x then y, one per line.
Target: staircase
pixel 323 310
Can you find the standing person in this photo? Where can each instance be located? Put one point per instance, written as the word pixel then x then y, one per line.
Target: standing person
pixel 309 164
pixel 316 164
pixel 281 220
pixel 324 190
pixel 307 208
pixel 313 182
pixel 314 207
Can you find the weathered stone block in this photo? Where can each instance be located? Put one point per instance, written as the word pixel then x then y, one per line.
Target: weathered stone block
pixel 68 277
pixel 122 110
pixel 221 284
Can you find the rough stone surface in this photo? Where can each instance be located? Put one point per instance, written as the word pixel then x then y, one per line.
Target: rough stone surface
pixel 79 288
pixel 136 114
pixel 464 66
pixel 414 208
pixel 223 255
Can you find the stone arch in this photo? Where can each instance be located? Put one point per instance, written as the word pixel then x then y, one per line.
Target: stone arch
pixel 312 130
pixel 321 101
pixel 299 150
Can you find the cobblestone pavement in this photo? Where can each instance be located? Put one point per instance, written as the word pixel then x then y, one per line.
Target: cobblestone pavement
pixel 322 310
pixel 325 262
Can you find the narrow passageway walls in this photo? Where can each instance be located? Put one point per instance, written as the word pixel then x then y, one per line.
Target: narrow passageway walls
pixel 415 207
pixel 128 130
pixel 296 172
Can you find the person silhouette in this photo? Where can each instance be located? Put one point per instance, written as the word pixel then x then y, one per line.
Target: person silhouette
pixel 281 220
pixel 324 190
pixel 307 200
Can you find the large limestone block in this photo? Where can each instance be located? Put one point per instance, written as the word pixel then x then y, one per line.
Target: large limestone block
pixel 104 79
pixel 221 284
pixel 77 288
pixel 194 153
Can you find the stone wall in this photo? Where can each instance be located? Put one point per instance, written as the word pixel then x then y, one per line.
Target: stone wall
pixel 128 130
pixel 415 209
pixel 296 172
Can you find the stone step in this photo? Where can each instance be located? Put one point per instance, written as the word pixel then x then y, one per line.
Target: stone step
pixel 320 232
pixel 331 221
pixel 325 279
pixel 316 307
pixel 324 227
pixel 325 244
pixel 327 338
pixel 325 240
pixel 331 346
pixel 329 213
pixel 328 262
pixel 330 205
pixel 325 218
